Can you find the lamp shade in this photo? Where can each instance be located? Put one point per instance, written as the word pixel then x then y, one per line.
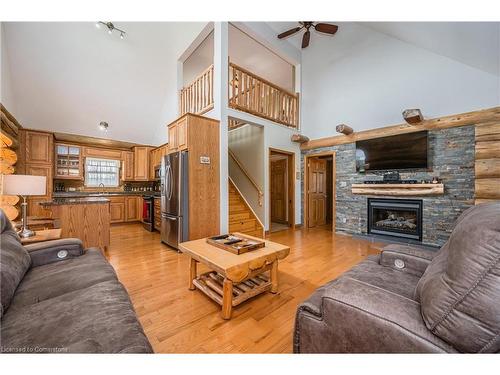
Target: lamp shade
pixel 21 184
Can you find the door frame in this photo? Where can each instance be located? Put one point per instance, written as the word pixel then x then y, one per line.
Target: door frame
pixel 290 184
pixel 306 186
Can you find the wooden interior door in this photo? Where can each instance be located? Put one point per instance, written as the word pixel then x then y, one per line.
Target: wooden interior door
pixel 316 192
pixel 279 188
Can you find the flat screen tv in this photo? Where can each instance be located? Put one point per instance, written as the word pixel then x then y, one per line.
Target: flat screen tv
pixel 403 151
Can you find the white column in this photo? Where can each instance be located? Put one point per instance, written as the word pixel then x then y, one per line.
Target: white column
pixel 221 66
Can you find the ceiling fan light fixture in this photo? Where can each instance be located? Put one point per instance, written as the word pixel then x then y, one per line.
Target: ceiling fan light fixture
pixel 324 28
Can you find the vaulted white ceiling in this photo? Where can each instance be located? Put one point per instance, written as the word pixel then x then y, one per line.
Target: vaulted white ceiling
pixel 476 44
pixel 67 77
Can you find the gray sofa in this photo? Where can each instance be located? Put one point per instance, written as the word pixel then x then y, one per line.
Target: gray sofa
pixel 413 300
pixel 57 297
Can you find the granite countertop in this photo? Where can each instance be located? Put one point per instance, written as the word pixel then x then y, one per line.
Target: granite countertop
pixel 80 194
pixel 82 200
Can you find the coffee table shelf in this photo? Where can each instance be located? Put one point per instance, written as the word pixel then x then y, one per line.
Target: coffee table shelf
pixel 212 284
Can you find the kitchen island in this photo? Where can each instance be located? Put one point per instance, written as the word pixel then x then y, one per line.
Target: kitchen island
pixel 85 218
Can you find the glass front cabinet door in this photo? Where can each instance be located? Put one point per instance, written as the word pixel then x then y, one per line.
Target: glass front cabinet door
pixel 68 162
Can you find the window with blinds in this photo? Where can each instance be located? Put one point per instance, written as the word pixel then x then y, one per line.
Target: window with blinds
pixel 102 171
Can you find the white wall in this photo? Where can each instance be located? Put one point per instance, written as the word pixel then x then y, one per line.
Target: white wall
pixel 201 58
pixel 247 144
pixel 366 78
pixel 6 94
pixel 255 57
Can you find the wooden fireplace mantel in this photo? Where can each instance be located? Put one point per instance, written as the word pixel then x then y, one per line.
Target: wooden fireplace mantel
pixel 398 189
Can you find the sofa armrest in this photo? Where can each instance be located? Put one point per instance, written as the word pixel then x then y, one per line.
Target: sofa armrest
pixel 351 316
pixel 406 258
pixel 53 251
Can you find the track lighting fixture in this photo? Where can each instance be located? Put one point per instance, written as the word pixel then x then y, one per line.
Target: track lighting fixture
pixel 110 28
pixel 103 126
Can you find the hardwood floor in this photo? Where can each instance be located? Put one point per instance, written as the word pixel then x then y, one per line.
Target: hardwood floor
pixel 177 320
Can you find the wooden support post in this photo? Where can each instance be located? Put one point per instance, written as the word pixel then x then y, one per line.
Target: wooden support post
pixel 344 129
pixel 227 299
pixel 192 274
pixel 299 138
pixel 413 116
pixel 274 277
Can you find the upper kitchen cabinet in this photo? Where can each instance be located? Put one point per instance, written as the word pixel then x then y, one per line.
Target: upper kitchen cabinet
pixel 39 147
pixel 155 159
pixel 141 163
pixel 178 134
pixel 68 162
pixel 127 165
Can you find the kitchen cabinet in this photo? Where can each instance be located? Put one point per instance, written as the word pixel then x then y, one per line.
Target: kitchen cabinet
pixel 117 212
pixel 178 134
pixel 39 147
pixel 102 153
pixel 133 205
pixel 141 163
pixel 36 153
pixel 155 159
pixel 127 166
pixel 125 208
pixel 157 214
pixel 68 163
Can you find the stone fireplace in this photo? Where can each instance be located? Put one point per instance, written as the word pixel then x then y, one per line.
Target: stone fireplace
pixel 395 217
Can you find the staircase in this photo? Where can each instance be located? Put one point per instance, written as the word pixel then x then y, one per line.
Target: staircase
pixel 241 217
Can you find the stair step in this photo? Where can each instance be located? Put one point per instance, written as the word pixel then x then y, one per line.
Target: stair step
pixel 240 225
pixel 238 207
pixel 255 233
pixel 235 216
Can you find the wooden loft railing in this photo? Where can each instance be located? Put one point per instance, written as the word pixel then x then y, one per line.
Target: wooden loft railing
pixel 198 97
pixel 260 194
pixel 250 93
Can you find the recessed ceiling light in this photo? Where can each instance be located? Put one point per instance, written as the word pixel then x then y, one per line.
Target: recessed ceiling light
pixel 103 126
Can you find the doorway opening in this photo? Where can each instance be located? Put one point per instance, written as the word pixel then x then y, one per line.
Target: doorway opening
pixel 281 190
pixel 319 199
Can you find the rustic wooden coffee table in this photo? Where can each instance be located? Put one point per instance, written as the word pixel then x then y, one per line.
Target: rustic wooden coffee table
pixel 234 278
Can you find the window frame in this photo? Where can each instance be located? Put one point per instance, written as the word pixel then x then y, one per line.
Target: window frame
pixel 87 180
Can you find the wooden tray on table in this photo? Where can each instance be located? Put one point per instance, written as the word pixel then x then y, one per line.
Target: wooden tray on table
pixel 236 244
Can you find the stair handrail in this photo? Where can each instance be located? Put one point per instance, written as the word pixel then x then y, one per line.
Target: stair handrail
pixel 248 205
pixel 245 172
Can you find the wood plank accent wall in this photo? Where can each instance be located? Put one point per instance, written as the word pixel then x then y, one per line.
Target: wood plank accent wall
pixel 487 166
pixel 479 118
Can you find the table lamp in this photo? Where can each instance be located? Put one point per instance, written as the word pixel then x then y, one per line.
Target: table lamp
pixel 24 185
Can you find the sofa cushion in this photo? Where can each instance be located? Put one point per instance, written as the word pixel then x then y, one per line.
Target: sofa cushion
pixel 99 318
pixel 54 279
pixel 14 262
pixel 460 290
pixel 371 272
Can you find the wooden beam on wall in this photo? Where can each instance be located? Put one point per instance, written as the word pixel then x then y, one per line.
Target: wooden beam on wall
pixel 481 117
pixel 487 167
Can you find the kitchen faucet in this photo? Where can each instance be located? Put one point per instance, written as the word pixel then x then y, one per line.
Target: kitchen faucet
pixel 102 191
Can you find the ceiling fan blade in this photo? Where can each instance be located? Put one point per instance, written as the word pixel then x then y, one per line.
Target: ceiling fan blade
pixel 306 38
pixel 326 28
pixel 289 32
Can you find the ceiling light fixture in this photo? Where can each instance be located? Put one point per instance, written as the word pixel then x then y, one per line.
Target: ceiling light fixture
pixel 103 126
pixel 111 28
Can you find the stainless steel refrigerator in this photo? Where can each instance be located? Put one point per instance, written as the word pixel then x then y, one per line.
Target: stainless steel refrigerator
pixel 174 198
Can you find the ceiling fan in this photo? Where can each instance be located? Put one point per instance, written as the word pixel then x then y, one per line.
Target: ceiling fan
pixel 321 27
